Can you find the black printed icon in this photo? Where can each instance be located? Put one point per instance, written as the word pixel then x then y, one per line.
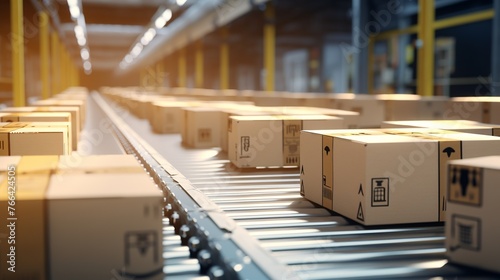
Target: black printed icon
pixel 327 149
pixel 140 245
pixel 292 129
pixel 302 170
pixel 465 233
pixel 360 216
pixel 465 185
pixel 380 192
pixel 448 151
pixel 205 135
pixel 245 144
pixel 360 190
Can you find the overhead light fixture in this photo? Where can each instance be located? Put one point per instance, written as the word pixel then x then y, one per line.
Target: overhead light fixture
pixel 84 53
pixel 163 18
pixel 148 36
pixel 181 2
pixel 136 51
pixel 75 9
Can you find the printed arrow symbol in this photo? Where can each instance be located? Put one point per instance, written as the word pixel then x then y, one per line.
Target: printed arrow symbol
pixel 327 150
pixel 360 191
pixel 302 170
pixel 448 151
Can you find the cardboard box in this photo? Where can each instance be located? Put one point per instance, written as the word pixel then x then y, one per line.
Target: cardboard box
pixel 472 223
pixel 74 111
pixel 392 176
pixel 371 110
pixel 271 141
pixel 351 119
pixel 39 138
pixel 485 109
pixel 168 117
pixel 455 125
pixel 44 117
pixel 62 211
pixel 64 103
pixel 238 111
pixel 202 127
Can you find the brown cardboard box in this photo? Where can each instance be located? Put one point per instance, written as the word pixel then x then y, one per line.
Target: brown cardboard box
pixel 65 103
pixel 39 138
pixel 389 176
pixel 454 125
pixel 485 109
pixel 471 220
pixel 202 127
pixel 371 110
pixel 75 118
pixel 62 213
pixel 25 252
pixel 168 116
pixel 44 117
pixel 267 141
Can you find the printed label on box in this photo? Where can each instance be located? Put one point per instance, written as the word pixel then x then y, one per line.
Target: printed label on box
pixel 465 185
pixel 327 173
pixel 291 141
pixel 465 233
pixel 245 147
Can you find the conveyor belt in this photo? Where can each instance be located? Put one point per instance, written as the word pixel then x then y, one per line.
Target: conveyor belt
pixel 272 231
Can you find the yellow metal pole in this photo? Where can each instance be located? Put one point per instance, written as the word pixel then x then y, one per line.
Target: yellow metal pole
pixel 224 60
pixel 63 75
pixel 182 68
pixel 77 76
pixel 17 42
pixel 199 65
pixel 44 54
pixel 269 47
pixel 425 63
pixel 54 62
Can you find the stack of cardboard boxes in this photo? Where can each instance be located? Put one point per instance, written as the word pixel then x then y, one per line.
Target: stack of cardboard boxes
pixel 96 217
pixel 391 176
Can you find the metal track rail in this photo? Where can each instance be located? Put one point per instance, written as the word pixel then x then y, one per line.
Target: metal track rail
pixel 255 225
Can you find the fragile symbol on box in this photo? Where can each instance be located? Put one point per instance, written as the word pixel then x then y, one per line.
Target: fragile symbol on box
pixel 380 192
pixel 465 233
pixel 465 185
pixel 140 245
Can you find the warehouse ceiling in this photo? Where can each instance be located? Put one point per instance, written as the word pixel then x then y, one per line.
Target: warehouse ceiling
pixel 113 27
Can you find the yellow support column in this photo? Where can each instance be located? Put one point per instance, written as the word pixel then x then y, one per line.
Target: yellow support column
pixel 199 65
pixel 182 68
pixel 425 63
pixel 224 60
pixel 17 43
pixel 54 62
pixel 62 57
pixel 44 54
pixel 269 47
